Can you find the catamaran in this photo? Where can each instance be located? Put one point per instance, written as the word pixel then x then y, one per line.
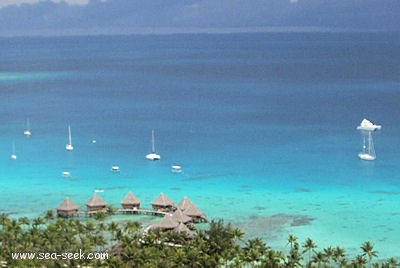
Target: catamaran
pixel 27 131
pixel 69 146
pixel 368 151
pixel 153 156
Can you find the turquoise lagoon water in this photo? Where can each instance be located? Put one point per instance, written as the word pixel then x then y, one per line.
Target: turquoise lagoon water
pixel 264 126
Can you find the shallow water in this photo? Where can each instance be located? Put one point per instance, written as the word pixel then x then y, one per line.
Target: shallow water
pixel 264 126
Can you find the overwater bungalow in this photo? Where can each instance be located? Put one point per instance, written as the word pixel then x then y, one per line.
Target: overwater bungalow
pixel 130 202
pixel 195 213
pixel 180 217
pixel 167 223
pixel 67 208
pixel 163 203
pixel 185 203
pixel 96 204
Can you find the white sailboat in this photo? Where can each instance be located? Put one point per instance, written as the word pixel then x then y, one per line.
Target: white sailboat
pixel 153 156
pixel 176 169
pixel 27 131
pixel 115 168
pixel 368 151
pixel 13 155
pixel 69 146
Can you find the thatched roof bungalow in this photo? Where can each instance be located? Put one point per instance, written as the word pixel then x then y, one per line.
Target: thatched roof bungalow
pixel 167 223
pixel 96 204
pixel 183 228
pixel 67 208
pixel 163 203
pixel 195 213
pixel 180 217
pixel 185 203
pixel 130 202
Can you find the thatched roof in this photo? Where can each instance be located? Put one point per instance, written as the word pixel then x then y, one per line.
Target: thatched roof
pixel 163 201
pixel 193 211
pixel 183 228
pixel 167 222
pixel 130 199
pixel 96 201
pixel 67 205
pixel 180 217
pixel 185 203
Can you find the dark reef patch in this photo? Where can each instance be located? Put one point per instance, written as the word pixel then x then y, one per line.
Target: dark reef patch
pixel 268 226
pixel 384 192
pixel 302 190
pixel 207 176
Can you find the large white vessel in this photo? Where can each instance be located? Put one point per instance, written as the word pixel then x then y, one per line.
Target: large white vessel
pixel 367 127
pixel 368 151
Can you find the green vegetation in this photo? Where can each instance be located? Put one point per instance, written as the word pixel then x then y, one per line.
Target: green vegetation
pixel 221 245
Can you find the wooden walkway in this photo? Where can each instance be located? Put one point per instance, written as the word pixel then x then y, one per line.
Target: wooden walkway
pixel 119 211
pixel 83 213
pixel 143 211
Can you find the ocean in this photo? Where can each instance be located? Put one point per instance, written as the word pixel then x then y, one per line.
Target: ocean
pixel 263 125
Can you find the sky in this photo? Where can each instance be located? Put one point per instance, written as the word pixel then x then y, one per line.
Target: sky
pixel 83 17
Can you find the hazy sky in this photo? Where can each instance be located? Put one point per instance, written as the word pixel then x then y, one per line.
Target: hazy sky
pixel 61 17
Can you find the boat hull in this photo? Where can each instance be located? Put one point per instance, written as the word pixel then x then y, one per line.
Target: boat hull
pixel 153 157
pixel 69 147
pixel 367 157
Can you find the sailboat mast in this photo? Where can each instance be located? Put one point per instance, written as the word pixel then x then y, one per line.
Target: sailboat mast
pixel 364 145
pixel 69 135
pixel 153 149
pixel 369 142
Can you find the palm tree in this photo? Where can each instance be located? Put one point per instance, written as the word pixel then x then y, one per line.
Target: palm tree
pixel 309 246
pixel 49 215
pixel 367 248
pixel 132 227
pixel 359 261
pixel 237 234
pixel 4 219
pixel 113 228
pixel 24 221
pixel 111 210
pixel 319 258
pixel 339 256
pixel 273 259
pixel 292 239
pixel 254 251
pixel 328 253
pixel 100 216
pixel 38 221
pixel 294 257
pixel 392 263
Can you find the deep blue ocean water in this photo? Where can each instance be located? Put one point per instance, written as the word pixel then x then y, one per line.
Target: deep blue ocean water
pixel 264 126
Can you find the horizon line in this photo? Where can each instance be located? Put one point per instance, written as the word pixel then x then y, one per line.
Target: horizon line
pixel 177 30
